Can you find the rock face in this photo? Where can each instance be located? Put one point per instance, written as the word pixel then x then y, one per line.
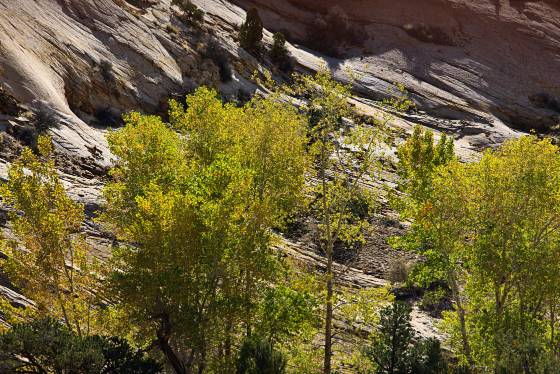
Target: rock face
pixel 78 62
pixel 486 62
pixel 481 69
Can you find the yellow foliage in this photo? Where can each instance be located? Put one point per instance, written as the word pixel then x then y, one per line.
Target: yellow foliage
pixel 48 260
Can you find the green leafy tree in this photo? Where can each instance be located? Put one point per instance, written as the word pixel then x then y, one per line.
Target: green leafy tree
pixel 496 222
pixel 192 13
pixel 251 32
pixel 289 317
pixel 327 106
pixel 48 260
pixel 419 157
pixel 344 156
pixel 282 312
pixel 267 137
pixel 257 356
pixel 47 346
pixel 196 207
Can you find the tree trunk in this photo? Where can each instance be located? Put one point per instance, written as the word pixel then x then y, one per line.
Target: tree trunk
pixel 171 357
pixel 329 252
pixel 163 334
pixel 329 312
pixel 462 322
pixel 202 364
pixel 464 337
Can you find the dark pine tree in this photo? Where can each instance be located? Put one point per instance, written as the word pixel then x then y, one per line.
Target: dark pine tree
pixel 251 32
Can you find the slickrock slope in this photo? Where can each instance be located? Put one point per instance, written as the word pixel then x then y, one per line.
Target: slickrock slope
pixel 79 64
pixel 479 64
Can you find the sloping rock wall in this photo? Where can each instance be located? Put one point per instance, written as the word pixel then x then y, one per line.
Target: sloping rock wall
pixel 483 61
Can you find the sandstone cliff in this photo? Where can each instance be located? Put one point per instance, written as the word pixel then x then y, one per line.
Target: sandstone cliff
pixel 486 62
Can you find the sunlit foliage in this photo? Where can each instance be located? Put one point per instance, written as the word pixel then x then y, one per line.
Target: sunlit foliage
pixel 195 200
pixel 48 259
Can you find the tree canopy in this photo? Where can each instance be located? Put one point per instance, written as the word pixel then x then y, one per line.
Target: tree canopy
pixel 251 32
pixel 53 267
pixel 196 199
pixel 495 223
pixel 197 280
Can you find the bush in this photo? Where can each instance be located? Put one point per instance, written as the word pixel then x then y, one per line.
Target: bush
pixel 398 271
pixel 45 345
pixel 242 97
pixel 171 29
pixel 434 301
pixel 545 101
pixel 215 52
pixel 429 34
pixel 361 204
pixel 428 358
pixel 258 357
pixel 121 358
pixel 45 118
pixel 192 14
pixel 279 53
pixel 107 117
pixel 8 104
pixel 106 71
pixel 251 32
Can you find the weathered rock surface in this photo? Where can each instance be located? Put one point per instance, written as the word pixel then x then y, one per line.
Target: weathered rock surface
pixel 475 65
pixel 79 64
